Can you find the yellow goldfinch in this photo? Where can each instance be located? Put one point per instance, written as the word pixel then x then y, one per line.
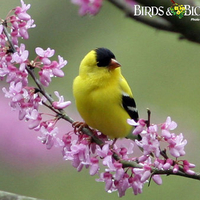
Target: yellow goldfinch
pixel 103 97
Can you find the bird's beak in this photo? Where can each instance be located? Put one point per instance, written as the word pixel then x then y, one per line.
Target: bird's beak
pixel 113 64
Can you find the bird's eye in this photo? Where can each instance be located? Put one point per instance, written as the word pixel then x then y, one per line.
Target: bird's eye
pixel 104 57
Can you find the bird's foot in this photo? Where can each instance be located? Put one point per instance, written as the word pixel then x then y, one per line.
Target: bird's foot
pixel 78 126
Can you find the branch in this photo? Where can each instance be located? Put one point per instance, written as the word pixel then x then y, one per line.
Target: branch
pixel 185 27
pixel 60 112
pixel 134 164
pixel 11 196
pixel 195 176
pixel 158 23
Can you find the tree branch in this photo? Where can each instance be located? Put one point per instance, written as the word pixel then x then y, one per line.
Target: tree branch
pixel 60 112
pixel 11 196
pixel 134 164
pixel 185 27
pixel 158 23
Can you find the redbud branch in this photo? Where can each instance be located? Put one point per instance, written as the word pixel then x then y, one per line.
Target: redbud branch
pixel 158 23
pixel 30 71
pixel 134 164
pixel 187 30
pixel 179 173
pixel 8 195
pixel 60 112
pixel 40 87
pixel 12 48
pixel 125 163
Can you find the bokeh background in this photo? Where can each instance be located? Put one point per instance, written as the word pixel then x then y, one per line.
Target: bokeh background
pixel 163 72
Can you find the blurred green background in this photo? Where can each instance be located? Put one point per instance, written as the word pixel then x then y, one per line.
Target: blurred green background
pixel 163 72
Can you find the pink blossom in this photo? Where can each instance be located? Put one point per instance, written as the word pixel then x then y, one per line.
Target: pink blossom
pixel 158 163
pixel 79 155
pixel 21 57
pixel 23 32
pixel 176 145
pixel 119 171
pixel 108 162
pixel 2 41
pixel 146 176
pixel 15 36
pixel 21 23
pixel 188 170
pixel 106 154
pixel 104 151
pixel 168 164
pixel 14 21
pixel 30 24
pixel 149 144
pixel 107 178
pixel 132 122
pixel 136 184
pixel 190 165
pixel 157 179
pixel 167 126
pixel 49 137
pixel 143 158
pixel 139 125
pixel 61 104
pixel 52 69
pixel 175 168
pixel 131 2
pixel 57 69
pixel 21 11
pixel 1 29
pixel 12 75
pixel 187 167
pixel 45 54
pixel 67 140
pixel 122 185
pixel 144 173
pixel 34 116
pixel 15 92
pixel 3 70
pixel 45 76
pixel 94 168
pixel 91 7
pixel 124 152
pixel 16 76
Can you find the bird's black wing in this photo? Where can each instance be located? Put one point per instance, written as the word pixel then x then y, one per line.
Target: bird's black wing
pixel 129 105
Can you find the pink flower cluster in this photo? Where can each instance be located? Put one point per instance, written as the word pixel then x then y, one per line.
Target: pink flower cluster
pixel 131 3
pixel 14 63
pixel 129 171
pixel 91 7
pixel 151 144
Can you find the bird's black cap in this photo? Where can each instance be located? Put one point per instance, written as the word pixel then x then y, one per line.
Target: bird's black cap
pixel 104 57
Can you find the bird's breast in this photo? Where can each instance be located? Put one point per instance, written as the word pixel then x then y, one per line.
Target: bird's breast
pixel 100 107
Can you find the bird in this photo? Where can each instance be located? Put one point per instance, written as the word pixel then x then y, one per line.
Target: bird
pixel 102 95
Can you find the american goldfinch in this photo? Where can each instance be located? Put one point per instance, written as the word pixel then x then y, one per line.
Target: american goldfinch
pixel 103 96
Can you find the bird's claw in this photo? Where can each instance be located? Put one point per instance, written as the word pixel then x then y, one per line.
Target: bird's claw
pixel 78 126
